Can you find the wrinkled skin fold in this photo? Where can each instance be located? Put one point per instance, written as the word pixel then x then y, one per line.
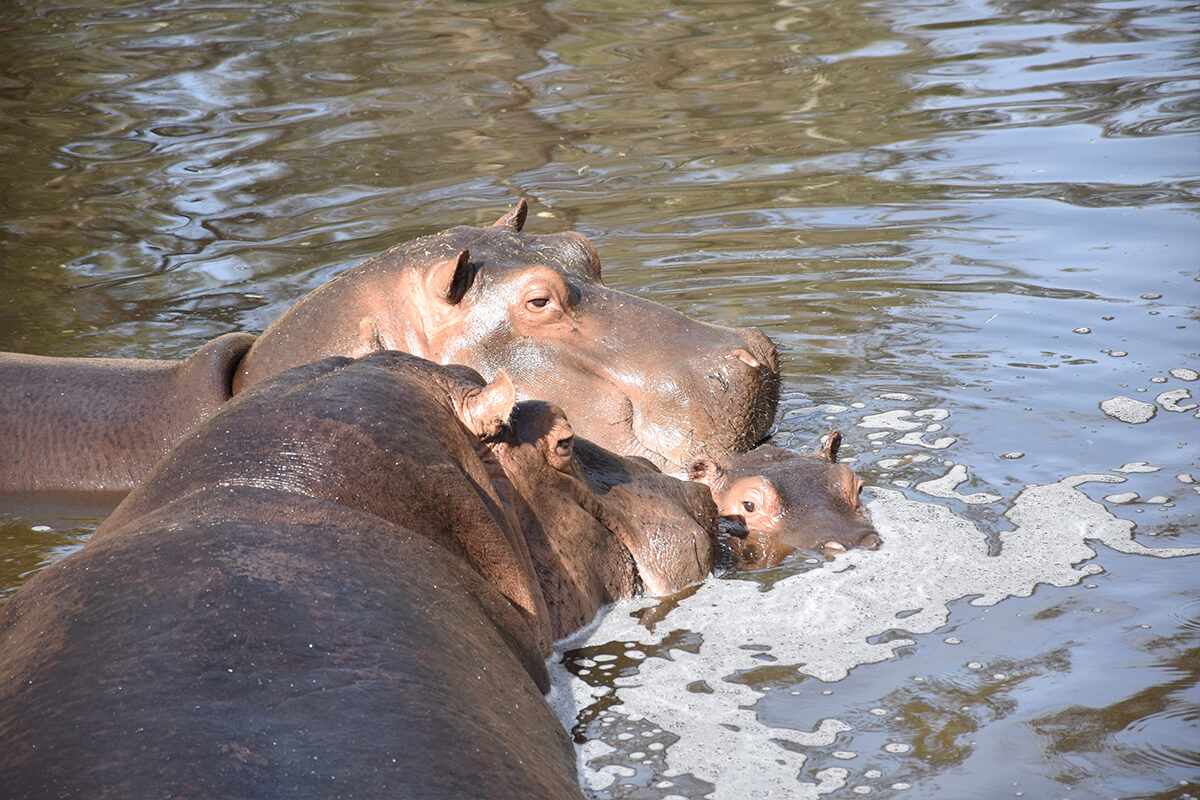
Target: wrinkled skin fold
pixel 333 586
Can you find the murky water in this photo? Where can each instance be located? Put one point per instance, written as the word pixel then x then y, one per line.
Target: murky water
pixel 971 227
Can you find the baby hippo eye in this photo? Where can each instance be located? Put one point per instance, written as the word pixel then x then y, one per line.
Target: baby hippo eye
pixel 565 446
pixel 746 504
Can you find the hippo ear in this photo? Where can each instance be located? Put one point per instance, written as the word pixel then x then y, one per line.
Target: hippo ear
pixel 514 220
pixel 450 279
pixel 704 470
pixel 487 411
pixel 829 448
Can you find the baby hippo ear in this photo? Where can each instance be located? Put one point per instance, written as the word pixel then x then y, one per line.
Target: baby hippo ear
pixel 487 411
pixel 829 448
pixel 704 470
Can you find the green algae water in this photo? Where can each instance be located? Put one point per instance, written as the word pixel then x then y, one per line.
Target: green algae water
pixel 970 226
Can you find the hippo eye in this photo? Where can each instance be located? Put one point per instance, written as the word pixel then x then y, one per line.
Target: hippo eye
pixel 565 446
pixel 746 504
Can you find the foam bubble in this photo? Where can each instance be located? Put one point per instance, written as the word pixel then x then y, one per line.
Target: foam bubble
pixel 890 420
pixel 1173 400
pixel 1184 374
pixel 945 487
pixel 1136 466
pixel 1128 410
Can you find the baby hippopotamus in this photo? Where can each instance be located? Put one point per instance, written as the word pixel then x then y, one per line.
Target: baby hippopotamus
pixel 773 502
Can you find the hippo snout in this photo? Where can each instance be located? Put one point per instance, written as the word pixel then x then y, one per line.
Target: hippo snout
pixel 869 540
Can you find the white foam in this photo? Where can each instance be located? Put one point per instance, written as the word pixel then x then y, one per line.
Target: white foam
pixel 1128 410
pixel 1184 374
pixel 1173 400
pixel 823 621
pixel 1136 466
pixel 945 487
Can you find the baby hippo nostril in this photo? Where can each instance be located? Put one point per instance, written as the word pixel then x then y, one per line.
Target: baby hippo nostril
pixel 870 542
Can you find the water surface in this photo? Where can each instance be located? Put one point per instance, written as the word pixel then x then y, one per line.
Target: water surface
pixel 967 224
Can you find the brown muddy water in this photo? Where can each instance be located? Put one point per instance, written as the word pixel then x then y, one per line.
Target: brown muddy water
pixel 971 226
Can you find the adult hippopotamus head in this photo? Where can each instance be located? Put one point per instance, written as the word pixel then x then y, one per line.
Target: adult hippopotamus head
pixel 774 501
pixel 634 376
pixel 656 533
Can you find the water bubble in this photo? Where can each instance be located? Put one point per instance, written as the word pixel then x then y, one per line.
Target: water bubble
pixel 1082 330
pixel 1126 409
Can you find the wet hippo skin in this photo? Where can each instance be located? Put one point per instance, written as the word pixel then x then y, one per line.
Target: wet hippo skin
pixel 633 376
pixel 636 377
pixel 325 590
pixel 773 502
pixel 100 424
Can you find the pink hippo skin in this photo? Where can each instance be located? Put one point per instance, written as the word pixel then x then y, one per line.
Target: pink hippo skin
pixel 634 376
pixel 773 502
pixel 344 584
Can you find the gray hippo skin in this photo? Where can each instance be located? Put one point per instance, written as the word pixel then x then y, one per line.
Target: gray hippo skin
pixel 773 502
pixel 326 591
pixel 634 376
pixel 100 424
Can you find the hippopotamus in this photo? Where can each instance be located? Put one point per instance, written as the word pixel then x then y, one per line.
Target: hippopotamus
pixel 100 424
pixel 336 586
pixel 635 377
pixel 774 501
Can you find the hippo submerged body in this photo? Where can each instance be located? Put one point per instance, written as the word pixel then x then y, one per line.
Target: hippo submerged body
pixel 97 424
pixel 338 586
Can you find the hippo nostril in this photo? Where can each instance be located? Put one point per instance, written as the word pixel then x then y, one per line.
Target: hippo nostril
pixel 744 356
pixel 871 541
pixel 834 547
